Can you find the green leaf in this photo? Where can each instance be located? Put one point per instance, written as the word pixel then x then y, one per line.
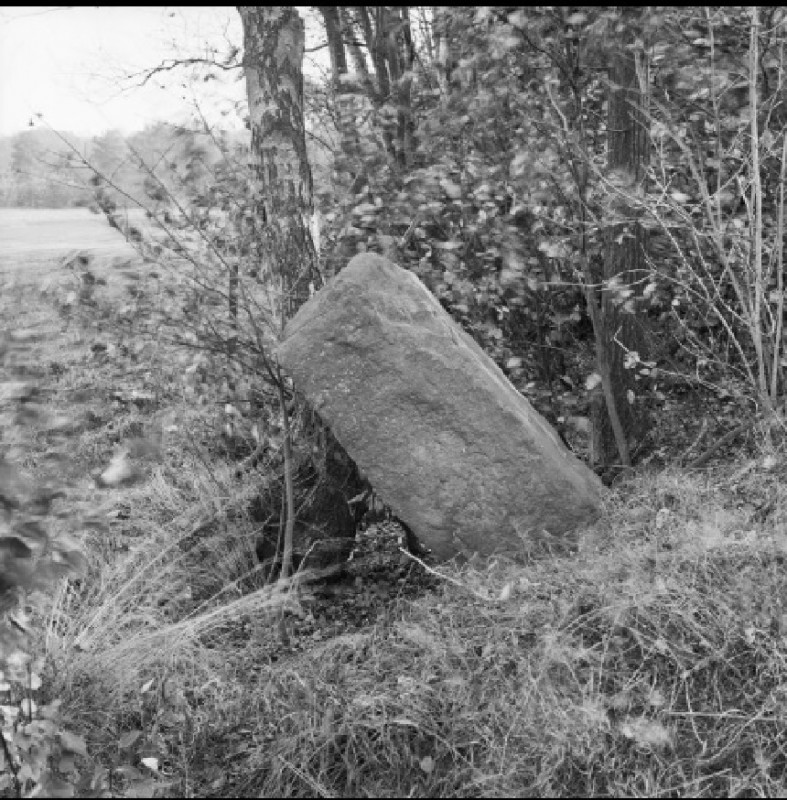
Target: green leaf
pixel 52 786
pixel 66 764
pixel 129 739
pixel 72 743
pixel 427 764
pixel 592 381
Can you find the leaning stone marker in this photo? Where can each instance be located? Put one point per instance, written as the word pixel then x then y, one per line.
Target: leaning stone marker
pixel 444 438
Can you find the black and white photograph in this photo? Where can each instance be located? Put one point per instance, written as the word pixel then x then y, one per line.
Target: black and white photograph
pixel 393 401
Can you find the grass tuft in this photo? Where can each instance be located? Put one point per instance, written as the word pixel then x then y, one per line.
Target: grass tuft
pixel 651 663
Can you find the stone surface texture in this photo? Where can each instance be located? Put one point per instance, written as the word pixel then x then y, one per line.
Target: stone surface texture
pixel 442 435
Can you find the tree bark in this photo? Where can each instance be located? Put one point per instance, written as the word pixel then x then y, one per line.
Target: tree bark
pixel 356 53
pixel 446 56
pixel 401 55
pixel 624 263
pixel 388 38
pixel 348 176
pixel 333 29
pixel 273 38
pixel 344 91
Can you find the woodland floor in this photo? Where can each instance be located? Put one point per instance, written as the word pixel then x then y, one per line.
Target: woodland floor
pixel 654 663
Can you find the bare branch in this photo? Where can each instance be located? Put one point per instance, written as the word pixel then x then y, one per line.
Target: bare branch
pixel 175 63
pixel 39 13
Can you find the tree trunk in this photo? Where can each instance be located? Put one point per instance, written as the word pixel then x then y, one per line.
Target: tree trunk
pixel 387 35
pixel 273 38
pixel 349 111
pixel 445 47
pixel 624 264
pixel 401 56
pixel 344 91
pixel 356 53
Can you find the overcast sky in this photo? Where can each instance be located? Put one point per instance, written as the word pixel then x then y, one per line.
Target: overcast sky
pixel 68 64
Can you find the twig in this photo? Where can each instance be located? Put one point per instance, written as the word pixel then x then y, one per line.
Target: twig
pixel 700 437
pixel 777 339
pixel 444 577
pixel 250 460
pixel 286 564
pixel 728 437
pixel 175 63
pixel 12 766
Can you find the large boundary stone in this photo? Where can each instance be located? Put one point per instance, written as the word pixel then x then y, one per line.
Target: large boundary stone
pixel 444 438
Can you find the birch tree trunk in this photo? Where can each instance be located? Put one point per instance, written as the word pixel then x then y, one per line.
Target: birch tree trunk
pixel 273 38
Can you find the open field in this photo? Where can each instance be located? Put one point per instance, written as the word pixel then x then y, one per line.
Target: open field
pixel 32 240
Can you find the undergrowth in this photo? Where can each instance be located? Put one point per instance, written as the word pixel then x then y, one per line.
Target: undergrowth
pixel 650 663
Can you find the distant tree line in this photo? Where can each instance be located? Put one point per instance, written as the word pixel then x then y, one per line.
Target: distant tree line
pixel 41 168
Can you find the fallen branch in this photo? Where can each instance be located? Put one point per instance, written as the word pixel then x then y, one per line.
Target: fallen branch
pixel 726 439
pixel 445 577
pixel 696 443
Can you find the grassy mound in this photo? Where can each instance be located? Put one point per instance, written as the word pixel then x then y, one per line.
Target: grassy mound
pixel 651 663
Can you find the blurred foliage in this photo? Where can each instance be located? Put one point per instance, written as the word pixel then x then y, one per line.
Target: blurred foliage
pixel 470 146
pixel 508 190
pixel 39 547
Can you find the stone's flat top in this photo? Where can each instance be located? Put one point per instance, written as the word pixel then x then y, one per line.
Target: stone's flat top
pixel 446 440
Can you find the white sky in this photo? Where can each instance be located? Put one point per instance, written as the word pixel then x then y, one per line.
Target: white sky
pixel 68 64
